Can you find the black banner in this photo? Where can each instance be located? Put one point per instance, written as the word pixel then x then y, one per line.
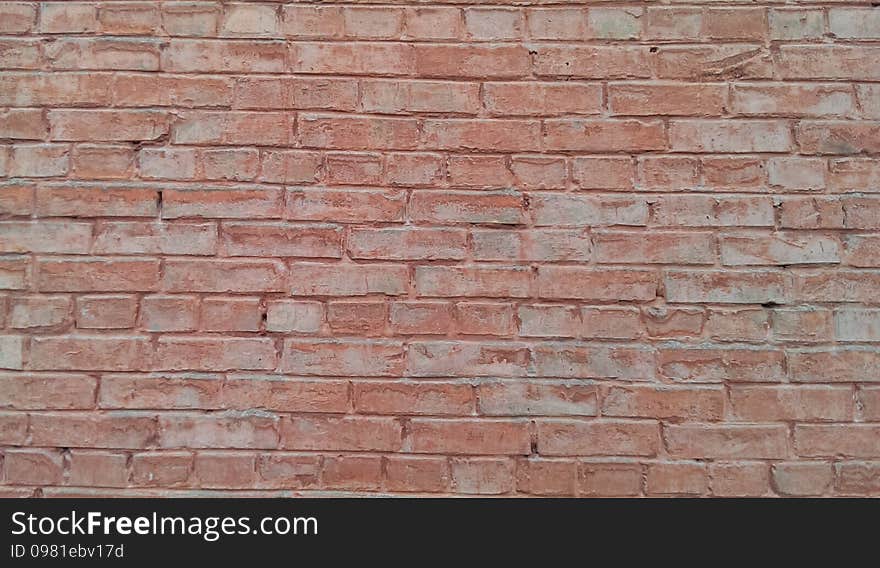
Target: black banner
pixel 412 531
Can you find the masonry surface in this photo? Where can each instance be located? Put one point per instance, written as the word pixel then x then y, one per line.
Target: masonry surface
pixel 593 249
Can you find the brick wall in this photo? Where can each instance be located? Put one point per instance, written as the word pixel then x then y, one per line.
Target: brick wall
pixel 580 249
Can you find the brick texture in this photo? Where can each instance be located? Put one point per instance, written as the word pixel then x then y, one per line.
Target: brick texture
pixel 503 248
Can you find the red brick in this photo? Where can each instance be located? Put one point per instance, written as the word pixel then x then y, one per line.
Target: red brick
pixel 742 136
pixel 20 54
pixel 313 279
pixel 86 430
pixel 342 205
pixel 77 17
pixel 536 172
pixel 129 18
pixel 226 430
pixel 127 125
pixel 106 312
pixel 486 437
pixel 546 477
pixel 728 287
pixel 483 476
pixel 592 62
pixel 597 438
pixel 736 23
pixel 230 165
pixel 414 169
pixel 850 440
pixel 857 478
pixel 407 244
pixel 608 135
pixel 720 365
pixel 677 479
pixel 802 478
pixel 98 275
pixel 341 433
pixel 413 398
pixel 584 361
pixel 249 21
pixel 16 199
pixel 98 469
pixel 334 132
pixel 536 244
pixel 357 318
pixel 196 55
pixel 224 470
pixel 288 315
pixel 39 312
pixel 838 137
pixel 738 479
pixel 578 210
pixel 727 441
pixel 288 470
pixel 479 171
pixel 166 469
pixel 190 19
pixel 290 166
pixel 13 428
pixel 353 169
pixel 96 353
pixel 677 322
pixel 408 474
pixel 363 473
pixel 471 61
pixel 433 22
pixel 547 99
pixel 832 366
pixel 52 391
pixel 467 207
pixel 704 404
pixel 341 358
pixel 595 172
pixel 557 23
pixel 158 391
pixel 23 124
pixel 311 21
pixel 525 399
pixel 178 238
pixel 103 162
pixel 18 17
pixel 609 479
pixel 281 239
pixel 482 135
pixel 583 283
pixel 421 317
pixel 759 404
pixel 231 314
pixel 169 313
pixel 84 201
pixel 485 318
pixel 223 276
pixel 361 58
pixel 39 160
pixel 227 203
pixel 446 281
pixel 828 62
pixel 396 97
pixel 149 90
pixel 33 467
pixel 674 99
pixel 204 354
pixel 661 248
